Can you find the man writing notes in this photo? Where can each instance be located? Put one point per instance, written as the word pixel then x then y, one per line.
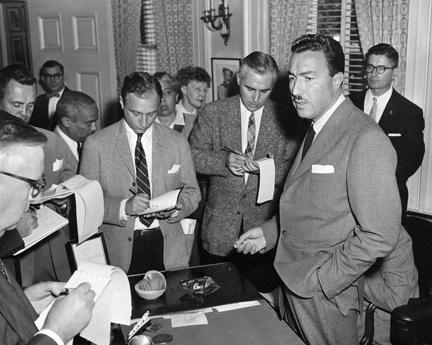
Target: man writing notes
pixel 399 118
pixel 340 208
pixel 229 136
pixel 135 160
pixel 21 168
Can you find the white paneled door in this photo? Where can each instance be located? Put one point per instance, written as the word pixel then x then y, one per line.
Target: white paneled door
pixel 79 35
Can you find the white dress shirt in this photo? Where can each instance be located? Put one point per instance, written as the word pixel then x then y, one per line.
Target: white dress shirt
pixel 319 124
pixel 52 103
pixel 381 103
pixel 147 144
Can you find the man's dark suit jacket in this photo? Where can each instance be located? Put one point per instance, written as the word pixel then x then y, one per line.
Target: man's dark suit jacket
pixel 17 317
pixel 40 117
pixel 403 123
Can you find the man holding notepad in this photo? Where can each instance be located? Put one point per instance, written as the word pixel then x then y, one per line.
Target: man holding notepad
pixel 136 160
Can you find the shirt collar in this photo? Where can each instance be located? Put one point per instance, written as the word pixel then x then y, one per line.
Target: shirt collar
pixel 319 124
pixel 132 136
pixel 382 100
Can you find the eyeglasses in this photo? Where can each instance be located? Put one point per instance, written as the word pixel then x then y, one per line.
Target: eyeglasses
pixel 52 76
pixel 380 69
pixel 36 185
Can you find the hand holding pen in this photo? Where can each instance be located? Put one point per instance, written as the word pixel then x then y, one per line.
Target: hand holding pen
pixel 137 203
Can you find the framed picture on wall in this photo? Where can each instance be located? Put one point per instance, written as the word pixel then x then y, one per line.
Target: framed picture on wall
pixel 223 72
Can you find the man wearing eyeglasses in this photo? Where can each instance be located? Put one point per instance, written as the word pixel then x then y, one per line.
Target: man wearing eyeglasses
pixel 49 260
pixel 399 118
pixel 135 160
pixel 21 168
pixel 51 76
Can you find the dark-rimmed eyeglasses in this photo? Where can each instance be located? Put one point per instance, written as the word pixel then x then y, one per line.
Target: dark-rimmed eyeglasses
pixel 380 69
pixel 36 185
pixel 52 76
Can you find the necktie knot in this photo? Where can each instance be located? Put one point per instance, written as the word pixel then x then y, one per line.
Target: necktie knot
pixel 139 136
pixel 310 135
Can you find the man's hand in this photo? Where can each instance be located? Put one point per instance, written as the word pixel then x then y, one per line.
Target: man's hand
pixel 251 167
pixel 170 216
pixel 69 315
pixel 252 241
pixel 42 294
pixel 27 223
pixel 136 205
pixel 235 162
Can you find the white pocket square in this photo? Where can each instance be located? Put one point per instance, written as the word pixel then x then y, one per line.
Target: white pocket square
pixel 322 169
pixel 57 164
pixel 394 135
pixel 175 168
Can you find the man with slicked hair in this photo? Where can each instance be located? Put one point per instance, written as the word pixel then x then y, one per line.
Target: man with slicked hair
pixel 340 210
pixel 134 160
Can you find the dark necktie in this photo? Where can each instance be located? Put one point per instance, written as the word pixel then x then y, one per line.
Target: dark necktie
pixel 142 177
pixel 79 150
pixel 308 140
pixel 250 137
pixel 178 128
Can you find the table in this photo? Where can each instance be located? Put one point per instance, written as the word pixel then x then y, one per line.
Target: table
pixel 255 325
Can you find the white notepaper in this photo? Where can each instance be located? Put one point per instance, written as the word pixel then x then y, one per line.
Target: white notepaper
pixel 163 202
pixel 266 179
pixel 188 319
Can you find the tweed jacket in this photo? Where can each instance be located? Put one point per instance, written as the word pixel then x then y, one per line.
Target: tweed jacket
pixel 339 211
pixel 107 158
pixel 403 123
pixel 230 200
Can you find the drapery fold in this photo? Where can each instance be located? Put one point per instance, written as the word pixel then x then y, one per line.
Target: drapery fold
pixel 126 28
pixel 173 19
pixel 288 20
pixel 385 21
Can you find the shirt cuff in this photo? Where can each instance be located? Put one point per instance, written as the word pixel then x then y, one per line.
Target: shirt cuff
pixel 122 210
pixel 53 335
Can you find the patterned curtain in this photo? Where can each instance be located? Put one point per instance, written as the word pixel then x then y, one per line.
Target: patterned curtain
pixel 288 20
pixel 173 20
pixel 385 21
pixel 126 27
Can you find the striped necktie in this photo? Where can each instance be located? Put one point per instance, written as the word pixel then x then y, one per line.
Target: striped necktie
pixel 250 136
pixel 142 177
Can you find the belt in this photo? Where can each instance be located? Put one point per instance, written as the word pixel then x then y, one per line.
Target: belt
pixel 144 232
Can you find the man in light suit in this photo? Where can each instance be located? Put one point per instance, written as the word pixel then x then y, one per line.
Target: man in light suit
pixel 399 118
pixel 21 168
pixel 170 115
pixel 51 76
pixel 340 208
pixel 134 244
pixel 77 114
pixel 232 198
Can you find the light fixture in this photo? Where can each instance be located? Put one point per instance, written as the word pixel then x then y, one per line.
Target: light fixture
pixel 220 21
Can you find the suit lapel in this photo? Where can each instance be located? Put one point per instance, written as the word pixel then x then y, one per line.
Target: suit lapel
pixel 121 144
pixel 321 144
pixel 233 125
pixel 158 158
pixel 390 112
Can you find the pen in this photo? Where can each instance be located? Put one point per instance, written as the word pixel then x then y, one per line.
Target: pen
pixel 63 292
pixel 227 149
pixel 132 189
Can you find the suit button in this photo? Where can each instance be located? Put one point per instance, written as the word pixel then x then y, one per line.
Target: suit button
pixel 244 196
pixel 284 232
pixel 238 212
pixel 129 239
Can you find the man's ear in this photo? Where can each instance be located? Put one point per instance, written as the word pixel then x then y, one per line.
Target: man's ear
pixel 337 80
pixel 65 121
pixel 183 89
pixel 121 102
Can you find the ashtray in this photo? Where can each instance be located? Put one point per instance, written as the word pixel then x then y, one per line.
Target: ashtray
pixel 202 286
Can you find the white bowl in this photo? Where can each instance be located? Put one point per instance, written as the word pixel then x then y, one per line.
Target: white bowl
pixel 152 294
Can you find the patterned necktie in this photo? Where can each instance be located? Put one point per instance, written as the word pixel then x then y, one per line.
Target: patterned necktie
pixel 373 111
pixel 142 177
pixel 79 150
pixel 250 137
pixel 310 135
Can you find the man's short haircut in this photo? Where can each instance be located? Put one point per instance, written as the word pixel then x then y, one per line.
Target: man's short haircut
pixel 330 47
pixel 192 73
pixel 141 83
pixel 50 64
pixel 71 103
pixel 17 72
pixel 260 63
pixel 384 49
pixel 14 131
